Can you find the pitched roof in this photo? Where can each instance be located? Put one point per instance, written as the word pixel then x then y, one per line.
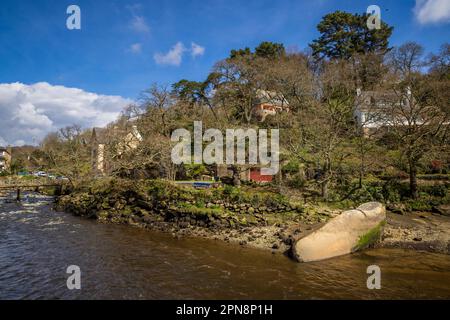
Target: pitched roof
pixel 376 99
pixel 104 135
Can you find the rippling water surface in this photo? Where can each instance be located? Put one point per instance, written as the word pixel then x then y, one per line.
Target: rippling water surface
pixel 120 262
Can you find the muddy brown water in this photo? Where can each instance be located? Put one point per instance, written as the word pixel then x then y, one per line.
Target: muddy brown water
pixel 121 262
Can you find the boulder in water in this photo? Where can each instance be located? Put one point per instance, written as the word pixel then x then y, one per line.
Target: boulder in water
pixel 351 231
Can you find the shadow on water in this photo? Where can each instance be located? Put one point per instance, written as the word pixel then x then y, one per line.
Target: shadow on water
pixel 121 262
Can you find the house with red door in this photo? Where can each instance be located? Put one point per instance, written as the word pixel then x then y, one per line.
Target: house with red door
pixel 246 173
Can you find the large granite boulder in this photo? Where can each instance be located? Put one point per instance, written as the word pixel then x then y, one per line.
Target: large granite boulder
pixel 351 231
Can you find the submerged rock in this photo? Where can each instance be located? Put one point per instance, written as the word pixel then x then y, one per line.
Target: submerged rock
pixel 351 231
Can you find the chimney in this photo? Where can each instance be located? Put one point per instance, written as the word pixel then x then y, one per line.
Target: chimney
pixel 136 133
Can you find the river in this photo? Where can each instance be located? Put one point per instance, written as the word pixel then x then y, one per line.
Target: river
pixel 37 245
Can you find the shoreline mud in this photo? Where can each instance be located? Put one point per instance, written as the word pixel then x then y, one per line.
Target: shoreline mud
pixel 425 231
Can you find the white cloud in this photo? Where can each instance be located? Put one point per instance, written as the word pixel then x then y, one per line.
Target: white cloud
pixel 197 50
pixel 432 11
pixel 173 57
pixel 135 48
pixel 139 24
pixel 29 112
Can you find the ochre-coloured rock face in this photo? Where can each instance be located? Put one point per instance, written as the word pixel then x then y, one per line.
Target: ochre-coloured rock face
pixel 348 232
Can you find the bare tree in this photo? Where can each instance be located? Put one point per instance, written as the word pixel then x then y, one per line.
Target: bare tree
pixel 418 114
pixel 417 122
pixel 406 59
pixel 67 153
pixel 156 101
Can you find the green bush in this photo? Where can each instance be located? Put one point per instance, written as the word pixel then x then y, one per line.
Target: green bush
pixel 194 170
pixel 390 193
pixel 292 167
pixel 419 205
pixel 367 194
pixel 229 190
pixel 437 190
pixel 297 181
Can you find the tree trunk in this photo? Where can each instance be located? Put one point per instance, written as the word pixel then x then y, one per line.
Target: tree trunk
pixel 326 177
pixel 236 176
pixel 325 189
pixel 361 168
pixel 413 179
pixel 360 180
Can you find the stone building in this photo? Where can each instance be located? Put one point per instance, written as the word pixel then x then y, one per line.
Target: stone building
pixel 101 145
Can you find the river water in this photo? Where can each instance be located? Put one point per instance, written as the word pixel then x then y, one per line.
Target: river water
pixel 121 262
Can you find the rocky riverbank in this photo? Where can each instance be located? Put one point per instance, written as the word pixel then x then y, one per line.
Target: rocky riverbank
pixel 260 219
pixel 428 231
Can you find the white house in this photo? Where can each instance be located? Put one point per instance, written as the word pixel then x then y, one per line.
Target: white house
pixel 374 109
pixel 5 158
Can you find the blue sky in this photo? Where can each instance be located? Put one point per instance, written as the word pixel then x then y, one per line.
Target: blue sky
pixel 125 46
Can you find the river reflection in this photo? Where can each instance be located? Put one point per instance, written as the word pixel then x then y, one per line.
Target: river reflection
pixel 121 262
